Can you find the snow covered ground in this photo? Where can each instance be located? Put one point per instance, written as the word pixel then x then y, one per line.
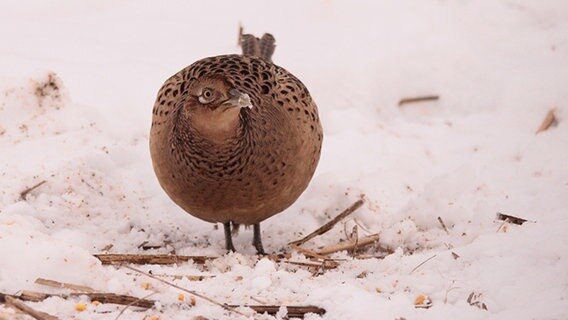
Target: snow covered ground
pixel 78 81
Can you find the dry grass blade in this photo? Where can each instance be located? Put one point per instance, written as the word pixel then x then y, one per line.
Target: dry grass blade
pixel 18 304
pixel 120 259
pixel 417 99
pixel 24 193
pixel 325 264
pixel 132 304
pixel 224 306
pixel 349 245
pixel 63 285
pixel 293 311
pixel 548 121
pixel 326 227
pixel 422 263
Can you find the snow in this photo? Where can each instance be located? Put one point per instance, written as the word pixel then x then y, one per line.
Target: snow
pixel 78 81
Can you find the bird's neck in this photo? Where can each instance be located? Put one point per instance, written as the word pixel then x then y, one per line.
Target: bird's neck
pixel 216 127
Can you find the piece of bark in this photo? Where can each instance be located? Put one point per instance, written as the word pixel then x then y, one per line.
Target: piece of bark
pixel 118 259
pixel 329 225
pixel 20 305
pixel 348 245
pixel 293 311
pixel 511 219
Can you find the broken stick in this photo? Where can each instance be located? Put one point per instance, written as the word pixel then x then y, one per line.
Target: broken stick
pixel 326 227
pixel 100 297
pixel 293 311
pixel 63 285
pixel 18 304
pixel 348 245
pixel 117 259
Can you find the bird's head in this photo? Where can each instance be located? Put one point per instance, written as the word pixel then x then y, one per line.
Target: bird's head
pixel 212 106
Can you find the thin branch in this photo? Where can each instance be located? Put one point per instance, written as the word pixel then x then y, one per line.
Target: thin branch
pixel 417 99
pixel 348 245
pixel 63 285
pixel 18 304
pixel 326 227
pixel 422 263
pixel 119 259
pixel 326 264
pixel 24 193
pixel 548 121
pixel 224 306
pixel 293 311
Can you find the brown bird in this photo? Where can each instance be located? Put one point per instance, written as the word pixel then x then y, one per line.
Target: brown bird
pixel 235 138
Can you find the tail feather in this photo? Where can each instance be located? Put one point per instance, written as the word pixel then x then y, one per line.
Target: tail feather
pixel 262 48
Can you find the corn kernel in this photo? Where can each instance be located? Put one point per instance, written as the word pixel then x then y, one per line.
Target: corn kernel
pixel 80 307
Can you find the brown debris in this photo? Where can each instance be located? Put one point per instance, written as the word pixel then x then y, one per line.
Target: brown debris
pixel 293 311
pixel 417 99
pixel 118 259
pixel 18 304
pixel 24 193
pixel 510 219
pixel 349 245
pixel 549 121
pixel 63 285
pixel 328 226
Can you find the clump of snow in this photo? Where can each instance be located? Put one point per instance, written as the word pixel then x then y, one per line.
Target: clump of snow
pixel 76 91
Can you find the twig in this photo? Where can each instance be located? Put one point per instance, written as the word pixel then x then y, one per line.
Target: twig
pixel 63 285
pixel 132 303
pixel 224 306
pixel 293 311
pixel 100 297
pixel 326 227
pixel 422 263
pixel 24 193
pixel 347 245
pixel 308 252
pixel 548 121
pixel 181 276
pixel 511 219
pixel 119 259
pixel 417 99
pixel 18 304
pixel 443 225
pixel 326 264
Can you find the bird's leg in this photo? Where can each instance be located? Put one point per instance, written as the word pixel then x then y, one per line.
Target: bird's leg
pixel 256 241
pixel 228 237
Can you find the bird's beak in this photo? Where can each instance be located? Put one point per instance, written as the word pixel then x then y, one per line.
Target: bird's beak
pixel 238 99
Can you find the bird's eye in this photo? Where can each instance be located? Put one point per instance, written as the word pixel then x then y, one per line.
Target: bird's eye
pixel 206 96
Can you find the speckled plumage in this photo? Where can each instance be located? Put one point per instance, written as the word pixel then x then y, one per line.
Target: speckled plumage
pixel 238 165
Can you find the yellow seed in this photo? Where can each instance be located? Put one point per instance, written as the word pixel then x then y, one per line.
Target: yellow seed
pixel 80 307
pixel 95 302
pixel 192 300
pixel 154 318
pixel 181 297
pixel 146 285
